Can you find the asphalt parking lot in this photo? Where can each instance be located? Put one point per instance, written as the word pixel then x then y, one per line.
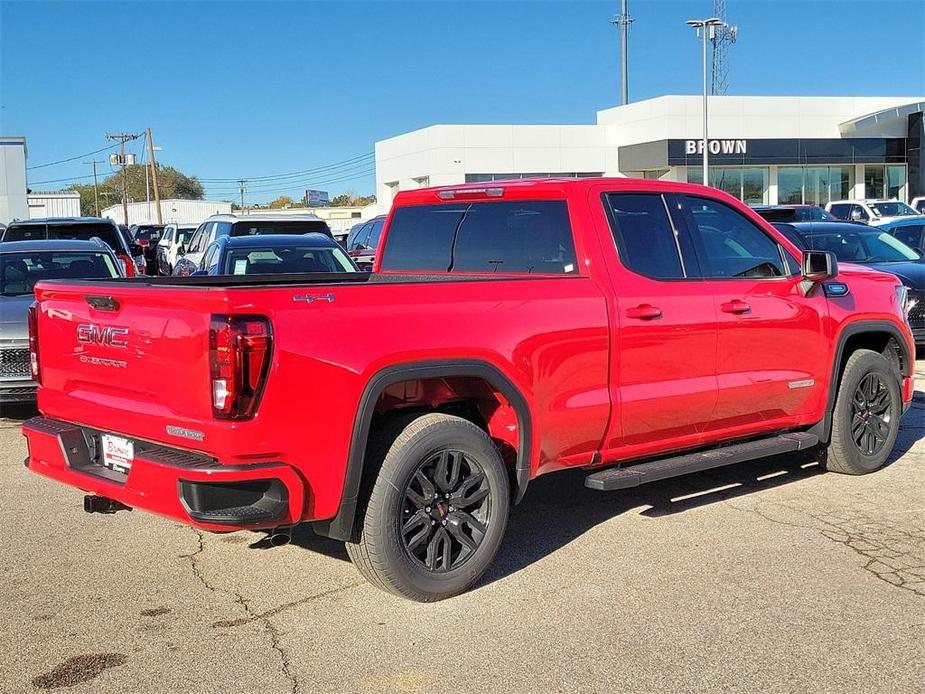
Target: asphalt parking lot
pixel 769 576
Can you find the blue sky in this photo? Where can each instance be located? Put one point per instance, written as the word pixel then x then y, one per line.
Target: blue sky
pixel 249 89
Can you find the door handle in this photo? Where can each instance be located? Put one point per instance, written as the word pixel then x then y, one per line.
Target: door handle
pixel 735 306
pixel 644 312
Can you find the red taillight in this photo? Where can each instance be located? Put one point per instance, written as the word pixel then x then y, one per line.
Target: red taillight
pixel 34 344
pixel 239 357
pixel 127 263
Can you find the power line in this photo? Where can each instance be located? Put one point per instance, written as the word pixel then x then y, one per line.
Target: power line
pixel 59 180
pixel 292 174
pixel 347 177
pixel 79 156
pixel 272 185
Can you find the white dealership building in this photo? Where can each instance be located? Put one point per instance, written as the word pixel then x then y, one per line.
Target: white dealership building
pixel 763 149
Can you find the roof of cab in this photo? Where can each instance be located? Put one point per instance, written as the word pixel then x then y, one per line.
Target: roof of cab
pixel 313 239
pixel 264 217
pixel 58 245
pixel 540 189
pixel 61 220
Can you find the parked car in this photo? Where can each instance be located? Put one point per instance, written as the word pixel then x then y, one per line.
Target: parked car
pixel 504 334
pixel 82 228
pixel 175 236
pixel 909 230
pixel 22 264
pixel 918 204
pixel 874 247
pixel 794 213
pixel 275 254
pixel 363 241
pixel 873 212
pixel 218 226
pixel 147 236
pixel 138 253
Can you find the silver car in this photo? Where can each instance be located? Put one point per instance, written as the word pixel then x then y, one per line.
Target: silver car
pixel 22 264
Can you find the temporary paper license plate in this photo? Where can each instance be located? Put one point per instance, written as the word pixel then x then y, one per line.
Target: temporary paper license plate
pixel 118 453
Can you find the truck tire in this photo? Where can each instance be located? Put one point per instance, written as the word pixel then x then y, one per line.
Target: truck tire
pixel 437 510
pixel 865 421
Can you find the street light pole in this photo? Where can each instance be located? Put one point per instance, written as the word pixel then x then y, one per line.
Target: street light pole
pixel 705 29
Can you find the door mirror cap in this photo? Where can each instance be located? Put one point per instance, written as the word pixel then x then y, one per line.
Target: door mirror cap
pixel 819 266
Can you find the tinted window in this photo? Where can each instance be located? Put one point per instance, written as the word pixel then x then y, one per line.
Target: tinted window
pixel 209 259
pixel 20 271
pixel 25 232
pixel 515 237
pixel 421 237
pixel 729 244
pixel 911 235
pixel 147 233
pixel 375 231
pixel 482 237
pixel 168 235
pixel 644 236
pixel 245 228
pixel 840 211
pixel 201 239
pixel 358 242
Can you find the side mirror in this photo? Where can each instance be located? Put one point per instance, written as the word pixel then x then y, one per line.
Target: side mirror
pixel 819 266
pixel 181 250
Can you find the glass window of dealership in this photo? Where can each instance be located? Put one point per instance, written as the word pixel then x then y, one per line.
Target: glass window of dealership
pixel 787 171
pixel 808 185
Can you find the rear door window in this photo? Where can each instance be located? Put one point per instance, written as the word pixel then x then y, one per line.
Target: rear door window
pixel 840 211
pixel 646 240
pixel 375 232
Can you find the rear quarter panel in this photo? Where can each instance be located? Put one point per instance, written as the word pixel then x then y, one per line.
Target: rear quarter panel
pixel 549 336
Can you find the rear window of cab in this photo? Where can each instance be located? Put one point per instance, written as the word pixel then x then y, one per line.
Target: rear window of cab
pixel 533 237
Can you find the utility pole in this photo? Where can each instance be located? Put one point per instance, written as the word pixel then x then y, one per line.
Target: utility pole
pixel 96 189
pixel 122 138
pixel 623 20
pixel 706 30
pixel 157 192
pixel 242 186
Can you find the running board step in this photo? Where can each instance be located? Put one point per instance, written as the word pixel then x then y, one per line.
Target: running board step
pixel 626 477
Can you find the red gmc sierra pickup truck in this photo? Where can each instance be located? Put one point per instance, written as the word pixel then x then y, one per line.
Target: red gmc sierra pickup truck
pixel 637 329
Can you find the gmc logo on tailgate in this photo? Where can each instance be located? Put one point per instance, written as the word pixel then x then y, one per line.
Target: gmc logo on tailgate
pixel 108 335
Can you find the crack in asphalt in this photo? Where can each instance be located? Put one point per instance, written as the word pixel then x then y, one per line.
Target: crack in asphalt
pixel 895 555
pixel 269 627
pixel 285 606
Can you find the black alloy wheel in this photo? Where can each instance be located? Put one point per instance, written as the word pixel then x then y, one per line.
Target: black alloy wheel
pixel 446 511
pixel 871 409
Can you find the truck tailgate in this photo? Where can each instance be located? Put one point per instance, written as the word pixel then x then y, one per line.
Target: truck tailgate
pixel 122 358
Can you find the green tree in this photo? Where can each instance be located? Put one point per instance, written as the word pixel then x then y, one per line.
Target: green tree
pixel 171 184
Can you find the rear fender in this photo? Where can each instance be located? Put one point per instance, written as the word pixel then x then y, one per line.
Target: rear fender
pixel 341 527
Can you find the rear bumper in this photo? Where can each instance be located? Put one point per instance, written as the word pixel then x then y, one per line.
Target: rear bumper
pixel 177 484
